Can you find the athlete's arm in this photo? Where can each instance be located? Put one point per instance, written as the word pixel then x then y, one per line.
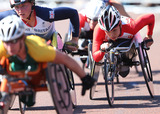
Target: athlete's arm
pixel 72 14
pixel 144 20
pixel 62 13
pixel 98 38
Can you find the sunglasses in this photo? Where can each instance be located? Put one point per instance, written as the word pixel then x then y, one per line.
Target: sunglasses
pixel 12 42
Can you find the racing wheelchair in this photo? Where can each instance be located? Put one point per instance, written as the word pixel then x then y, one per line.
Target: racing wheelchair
pixel 113 61
pixel 24 84
pixel 85 38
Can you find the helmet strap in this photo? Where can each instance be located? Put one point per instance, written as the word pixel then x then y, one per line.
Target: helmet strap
pixel 29 17
pixel 120 25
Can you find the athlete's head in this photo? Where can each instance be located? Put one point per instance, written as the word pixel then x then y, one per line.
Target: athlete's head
pixel 92 11
pixel 23 8
pixel 109 20
pixel 11 32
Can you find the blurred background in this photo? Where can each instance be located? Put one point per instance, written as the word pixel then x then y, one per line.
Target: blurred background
pixel 135 6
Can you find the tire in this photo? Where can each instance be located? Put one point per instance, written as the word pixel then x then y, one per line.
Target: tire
pixel 5 103
pixel 13 97
pixel 58 86
pixel 22 106
pixel 109 82
pixel 71 86
pixel 90 57
pixel 95 74
pixel 146 69
pixel 94 70
pixel 70 78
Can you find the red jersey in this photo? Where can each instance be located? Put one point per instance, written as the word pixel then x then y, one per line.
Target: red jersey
pixel 83 21
pixel 129 28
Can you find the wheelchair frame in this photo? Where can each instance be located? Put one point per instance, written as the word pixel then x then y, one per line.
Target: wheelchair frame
pixel 21 83
pixel 110 68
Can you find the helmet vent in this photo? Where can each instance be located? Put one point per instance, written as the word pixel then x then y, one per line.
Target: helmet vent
pixel 9 31
pixel 11 22
pixel 2 32
pixel 114 19
pixel 14 31
pixel 107 24
pixel 11 27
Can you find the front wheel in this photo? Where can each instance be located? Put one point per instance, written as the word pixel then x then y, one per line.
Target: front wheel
pixel 13 97
pixel 95 74
pixel 22 106
pixel 58 86
pixel 71 86
pixel 146 69
pixel 109 82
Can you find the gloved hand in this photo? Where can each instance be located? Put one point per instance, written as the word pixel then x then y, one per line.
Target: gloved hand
pixel 104 46
pixel 87 83
pixel 149 42
pixel 72 44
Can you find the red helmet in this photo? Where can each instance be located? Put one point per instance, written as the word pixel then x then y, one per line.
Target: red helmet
pixel 17 2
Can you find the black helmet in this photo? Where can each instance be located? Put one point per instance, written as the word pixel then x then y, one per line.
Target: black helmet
pixel 17 2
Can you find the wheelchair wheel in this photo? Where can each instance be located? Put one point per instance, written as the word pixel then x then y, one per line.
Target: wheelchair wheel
pixel 71 86
pixel 90 57
pixel 5 102
pixel 95 74
pixel 146 69
pixel 58 86
pixel 109 82
pixel 22 106
pixel 13 97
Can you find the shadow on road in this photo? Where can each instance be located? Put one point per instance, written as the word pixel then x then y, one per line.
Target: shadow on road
pixel 155 72
pixel 154 102
pixel 37 108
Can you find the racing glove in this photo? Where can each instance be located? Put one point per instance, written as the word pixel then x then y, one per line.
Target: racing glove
pixel 104 46
pixel 87 83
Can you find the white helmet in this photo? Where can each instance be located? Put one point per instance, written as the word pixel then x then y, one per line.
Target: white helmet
pixel 93 9
pixel 109 18
pixel 11 27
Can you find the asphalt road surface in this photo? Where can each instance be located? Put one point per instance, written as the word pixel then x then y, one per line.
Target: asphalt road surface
pixel 131 94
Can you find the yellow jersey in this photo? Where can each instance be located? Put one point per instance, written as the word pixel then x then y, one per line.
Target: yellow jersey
pixel 37 49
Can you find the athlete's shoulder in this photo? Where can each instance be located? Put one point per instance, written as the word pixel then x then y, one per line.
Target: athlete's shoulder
pixel 98 32
pixel 126 20
pixel 98 29
pixel 39 50
pixel 3 51
pixel 34 40
pixel 44 13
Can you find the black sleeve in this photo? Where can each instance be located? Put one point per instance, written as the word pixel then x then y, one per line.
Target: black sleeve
pixel 62 13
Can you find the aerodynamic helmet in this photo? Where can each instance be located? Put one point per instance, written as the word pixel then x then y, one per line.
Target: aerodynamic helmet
pixel 109 18
pixel 93 9
pixel 11 28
